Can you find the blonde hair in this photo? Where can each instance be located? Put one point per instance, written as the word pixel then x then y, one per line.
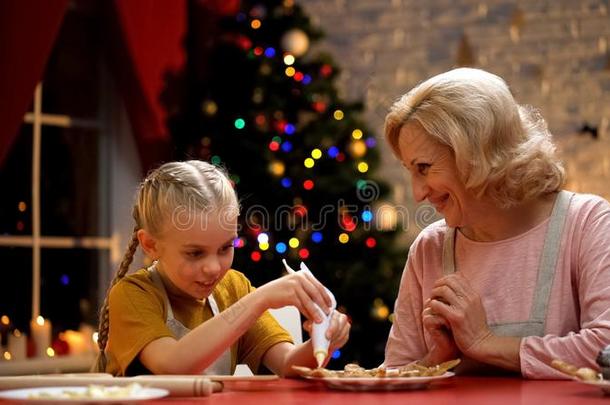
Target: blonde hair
pixel 502 150
pixel 192 185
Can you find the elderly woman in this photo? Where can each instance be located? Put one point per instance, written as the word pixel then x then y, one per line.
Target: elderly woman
pixel 518 271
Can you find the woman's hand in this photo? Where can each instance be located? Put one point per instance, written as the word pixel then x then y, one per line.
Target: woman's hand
pixel 453 299
pixel 299 289
pixel 443 346
pixel 337 332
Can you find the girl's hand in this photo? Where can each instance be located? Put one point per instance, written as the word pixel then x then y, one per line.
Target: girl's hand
pixel 337 332
pixel 453 299
pixel 299 289
pixel 443 346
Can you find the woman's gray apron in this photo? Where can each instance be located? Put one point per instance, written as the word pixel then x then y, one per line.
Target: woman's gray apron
pixel 222 365
pixel 535 325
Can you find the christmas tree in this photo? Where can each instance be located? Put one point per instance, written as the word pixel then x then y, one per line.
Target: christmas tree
pixel 302 161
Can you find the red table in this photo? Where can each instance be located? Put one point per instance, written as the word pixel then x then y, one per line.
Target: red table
pixel 457 390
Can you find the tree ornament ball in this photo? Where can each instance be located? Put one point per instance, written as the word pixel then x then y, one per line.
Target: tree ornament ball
pixel 296 42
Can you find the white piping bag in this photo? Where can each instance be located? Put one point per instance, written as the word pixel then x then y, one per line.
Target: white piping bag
pixel 319 340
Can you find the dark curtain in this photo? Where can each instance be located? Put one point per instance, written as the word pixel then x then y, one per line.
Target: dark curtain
pixel 145 53
pixel 28 29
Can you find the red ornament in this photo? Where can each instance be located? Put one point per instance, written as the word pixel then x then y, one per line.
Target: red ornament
pixel 370 242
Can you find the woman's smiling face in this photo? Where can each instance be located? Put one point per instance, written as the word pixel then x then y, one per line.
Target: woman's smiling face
pixel 434 174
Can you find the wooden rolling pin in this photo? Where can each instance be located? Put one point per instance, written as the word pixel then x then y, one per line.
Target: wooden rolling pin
pixel 178 386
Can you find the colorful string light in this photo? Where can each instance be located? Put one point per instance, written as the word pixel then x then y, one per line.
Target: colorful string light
pixel 274 146
pixel 357 149
pixel 286 182
pixel 240 123
pixel 281 247
pixel 316 237
pixel 367 216
pixel 277 168
pixel 308 184
pixel 370 242
pixel 333 151
pixel 286 146
pixel 289 129
pixel 363 167
pixel 293 243
pixel 309 163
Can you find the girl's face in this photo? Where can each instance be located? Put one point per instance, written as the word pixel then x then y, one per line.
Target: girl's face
pixel 434 174
pixel 196 256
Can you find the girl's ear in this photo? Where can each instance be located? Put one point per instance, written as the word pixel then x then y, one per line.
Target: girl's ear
pixel 148 243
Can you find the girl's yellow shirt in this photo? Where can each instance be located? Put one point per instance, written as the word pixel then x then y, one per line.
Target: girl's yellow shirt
pixel 138 313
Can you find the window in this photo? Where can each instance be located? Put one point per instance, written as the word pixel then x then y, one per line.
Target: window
pixel 55 225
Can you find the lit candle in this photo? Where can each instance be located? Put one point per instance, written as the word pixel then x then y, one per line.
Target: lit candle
pixel 41 334
pixel 17 345
pixel 5 324
pixel 94 337
pixel 90 337
pixel 77 342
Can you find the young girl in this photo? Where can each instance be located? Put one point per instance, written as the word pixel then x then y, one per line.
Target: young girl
pixel 189 313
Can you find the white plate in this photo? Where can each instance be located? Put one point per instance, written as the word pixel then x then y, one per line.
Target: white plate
pixel 379 383
pixel 603 384
pixel 265 377
pixel 56 395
